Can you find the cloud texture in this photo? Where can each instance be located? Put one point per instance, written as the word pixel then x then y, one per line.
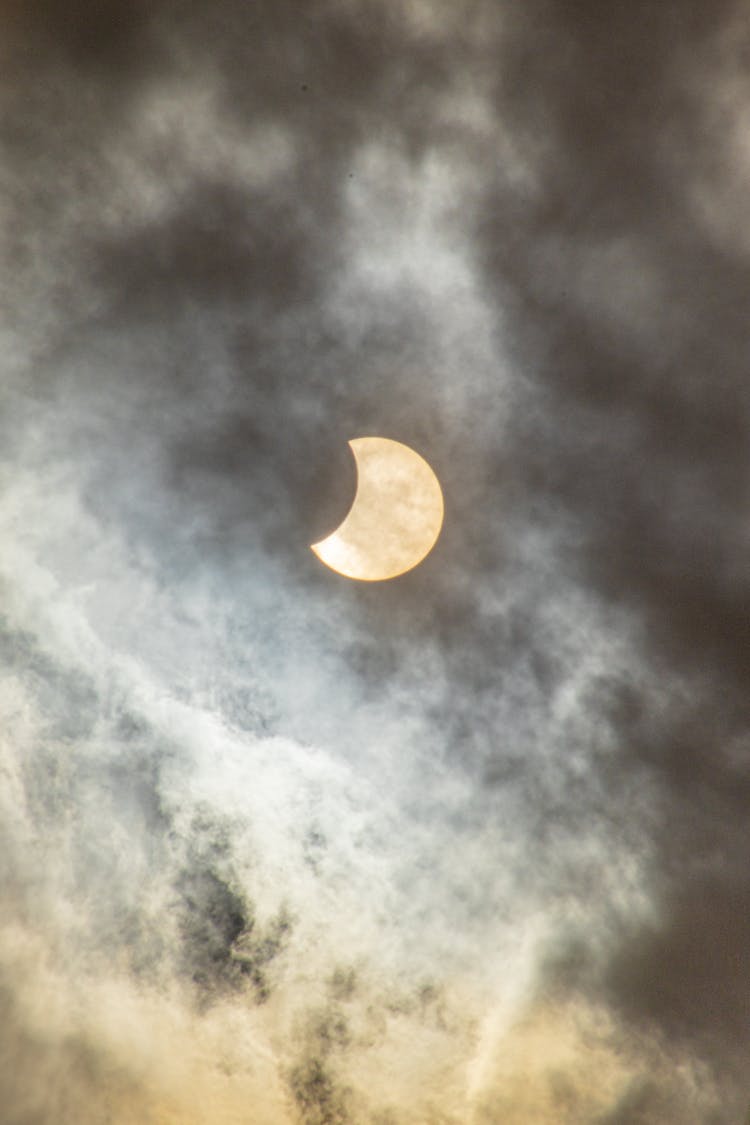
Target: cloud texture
pixel 467 847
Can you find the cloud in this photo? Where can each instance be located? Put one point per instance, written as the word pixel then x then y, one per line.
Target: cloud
pixel 462 847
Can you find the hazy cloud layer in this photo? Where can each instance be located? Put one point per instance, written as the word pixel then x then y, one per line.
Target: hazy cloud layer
pixel 470 846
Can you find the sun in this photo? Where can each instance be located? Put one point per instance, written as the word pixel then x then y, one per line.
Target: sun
pixel 395 518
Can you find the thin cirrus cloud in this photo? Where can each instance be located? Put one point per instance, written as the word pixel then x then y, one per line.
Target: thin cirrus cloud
pixel 468 845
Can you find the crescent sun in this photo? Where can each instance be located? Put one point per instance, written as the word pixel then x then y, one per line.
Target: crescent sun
pixel 395 517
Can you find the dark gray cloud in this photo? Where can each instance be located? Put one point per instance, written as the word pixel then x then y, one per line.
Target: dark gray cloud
pixel 481 829
pixel 635 316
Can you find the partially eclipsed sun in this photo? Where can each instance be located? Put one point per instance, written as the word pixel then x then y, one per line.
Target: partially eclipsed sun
pixel 395 518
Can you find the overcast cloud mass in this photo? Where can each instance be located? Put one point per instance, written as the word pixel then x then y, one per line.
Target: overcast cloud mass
pixel 466 848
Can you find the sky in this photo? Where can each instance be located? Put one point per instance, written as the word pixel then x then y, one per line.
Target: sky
pixel 468 847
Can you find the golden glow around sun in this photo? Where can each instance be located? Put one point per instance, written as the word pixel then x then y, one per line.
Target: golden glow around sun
pixel 395 518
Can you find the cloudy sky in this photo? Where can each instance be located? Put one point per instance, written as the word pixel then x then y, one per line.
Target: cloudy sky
pixel 470 847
